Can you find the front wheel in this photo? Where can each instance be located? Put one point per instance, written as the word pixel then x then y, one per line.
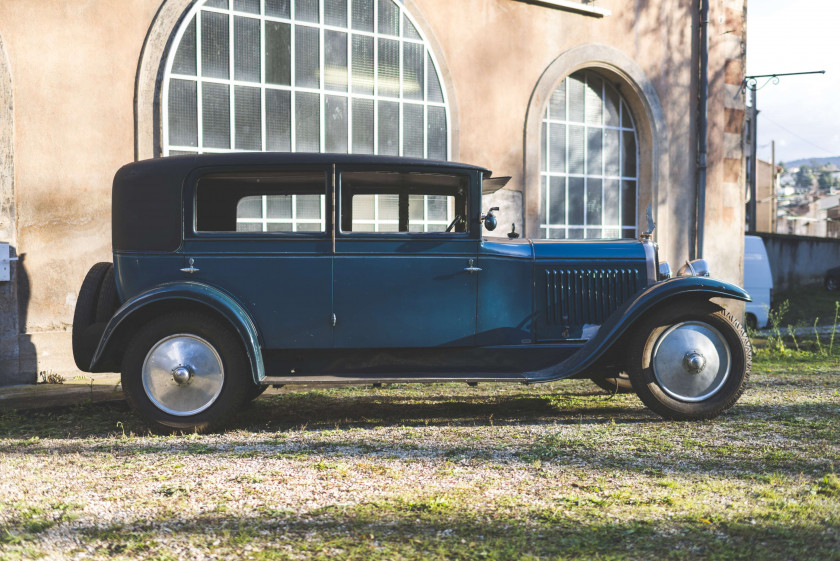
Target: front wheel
pixel 185 372
pixel 691 361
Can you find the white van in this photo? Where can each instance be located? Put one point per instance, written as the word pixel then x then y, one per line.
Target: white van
pixel 758 281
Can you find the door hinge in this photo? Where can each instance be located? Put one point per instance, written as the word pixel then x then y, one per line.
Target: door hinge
pixel 333 320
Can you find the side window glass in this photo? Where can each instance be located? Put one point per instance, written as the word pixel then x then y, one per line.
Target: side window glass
pixel 262 202
pixel 403 202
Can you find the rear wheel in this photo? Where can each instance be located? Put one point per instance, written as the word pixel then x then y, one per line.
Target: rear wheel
pixel 185 372
pixel 691 361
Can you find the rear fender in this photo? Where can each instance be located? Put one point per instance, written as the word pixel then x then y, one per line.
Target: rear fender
pixel 197 295
pixel 629 314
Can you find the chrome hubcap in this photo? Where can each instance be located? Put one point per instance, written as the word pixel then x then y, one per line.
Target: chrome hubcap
pixel 691 361
pixel 694 362
pixel 183 374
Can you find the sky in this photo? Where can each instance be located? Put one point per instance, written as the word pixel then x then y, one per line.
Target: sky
pixel 801 113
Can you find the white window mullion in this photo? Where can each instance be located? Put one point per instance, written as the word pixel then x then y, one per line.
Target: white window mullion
pixel 375 77
pixel 322 220
pixel 402 96
pixel 263 105
pixel 349 79
pixel 322 86
pixel 620 167
pixel 292 81
pixel 603 159
pixel 264 220
pixel 198 88
pixel 565 85
pixel 425 87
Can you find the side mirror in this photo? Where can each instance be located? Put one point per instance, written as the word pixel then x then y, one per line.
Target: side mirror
pixel 489 219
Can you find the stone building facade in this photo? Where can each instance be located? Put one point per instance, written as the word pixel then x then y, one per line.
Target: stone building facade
pixel 591 107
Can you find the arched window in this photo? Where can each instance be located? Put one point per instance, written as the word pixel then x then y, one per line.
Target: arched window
pixel 589 162
pixel 303 76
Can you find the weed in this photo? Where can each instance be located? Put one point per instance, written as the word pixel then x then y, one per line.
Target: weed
pixel 829 485
pixel 817 336
pixel 776 341
pixel 50 377
pixel 792 334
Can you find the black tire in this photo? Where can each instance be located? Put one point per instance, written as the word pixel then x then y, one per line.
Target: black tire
pixel 85 314
pixel 255 391
pixel 831 283
pixel 107 302
pixel 616 383
pixel 159 400
pixel 684 390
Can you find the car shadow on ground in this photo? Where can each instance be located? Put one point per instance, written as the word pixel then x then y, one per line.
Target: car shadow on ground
pixel 327 410
pixel 274 413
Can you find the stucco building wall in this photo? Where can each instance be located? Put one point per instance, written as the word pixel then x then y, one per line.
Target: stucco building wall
pixel 84 76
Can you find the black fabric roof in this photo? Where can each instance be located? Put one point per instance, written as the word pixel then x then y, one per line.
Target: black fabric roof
pixel 146 207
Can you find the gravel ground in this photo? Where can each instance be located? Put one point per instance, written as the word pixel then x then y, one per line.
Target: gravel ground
pixel 435 472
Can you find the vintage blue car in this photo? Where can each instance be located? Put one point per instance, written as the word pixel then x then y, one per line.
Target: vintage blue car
pixel 232 272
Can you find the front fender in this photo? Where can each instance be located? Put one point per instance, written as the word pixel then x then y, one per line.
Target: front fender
pixel 629 314
pixel 195 293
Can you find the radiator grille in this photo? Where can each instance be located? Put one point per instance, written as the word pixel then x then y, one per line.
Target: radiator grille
pixel 587 296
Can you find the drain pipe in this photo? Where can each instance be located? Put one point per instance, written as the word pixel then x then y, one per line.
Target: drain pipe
pixel 702 125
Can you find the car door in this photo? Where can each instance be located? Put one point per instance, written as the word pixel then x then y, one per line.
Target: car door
pixel 264 237
pixel 400 279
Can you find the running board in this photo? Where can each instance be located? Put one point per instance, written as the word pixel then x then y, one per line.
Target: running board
pixel 356 379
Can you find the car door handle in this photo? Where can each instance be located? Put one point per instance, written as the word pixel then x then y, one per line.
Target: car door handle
pixel 190 269
pixel 470 269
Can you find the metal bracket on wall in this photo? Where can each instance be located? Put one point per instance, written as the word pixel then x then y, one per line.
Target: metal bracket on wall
pixel 5 262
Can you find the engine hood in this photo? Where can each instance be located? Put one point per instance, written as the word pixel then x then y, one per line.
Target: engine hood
pixel 588 249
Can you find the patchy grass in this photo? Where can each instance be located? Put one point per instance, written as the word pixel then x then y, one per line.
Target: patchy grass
pixel 438 472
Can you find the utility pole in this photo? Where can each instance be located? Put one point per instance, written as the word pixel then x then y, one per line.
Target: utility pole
pixel 751 83
pixel 773 194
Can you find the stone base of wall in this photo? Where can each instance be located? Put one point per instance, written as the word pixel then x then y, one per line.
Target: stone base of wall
pixel 50 351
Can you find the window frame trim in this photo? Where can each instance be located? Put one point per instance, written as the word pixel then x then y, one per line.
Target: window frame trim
pixel 190 216
pixel 469 176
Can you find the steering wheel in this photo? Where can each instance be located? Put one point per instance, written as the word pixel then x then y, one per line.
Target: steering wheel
pixel 458 218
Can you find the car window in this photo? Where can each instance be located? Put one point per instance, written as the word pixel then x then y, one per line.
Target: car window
pixel 258 202
pixel 403 202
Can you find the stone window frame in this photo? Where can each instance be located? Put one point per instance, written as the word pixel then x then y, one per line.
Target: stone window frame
pixel 652 133
pixel 160 40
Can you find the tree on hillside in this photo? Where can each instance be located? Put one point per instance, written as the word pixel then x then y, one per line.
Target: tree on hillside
pixel 826 180
pixel 804 177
